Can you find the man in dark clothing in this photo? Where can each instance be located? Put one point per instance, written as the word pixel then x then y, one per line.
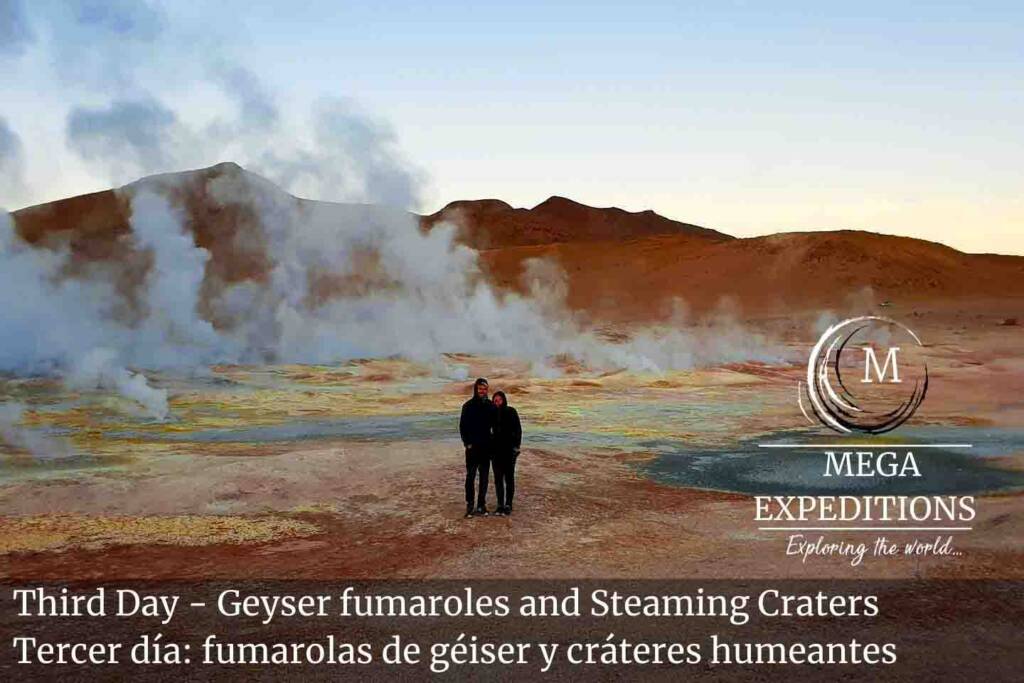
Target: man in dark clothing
pixel 475 428
pixel 507 437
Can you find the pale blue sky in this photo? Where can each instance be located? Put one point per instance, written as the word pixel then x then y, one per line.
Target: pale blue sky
pixel 905 118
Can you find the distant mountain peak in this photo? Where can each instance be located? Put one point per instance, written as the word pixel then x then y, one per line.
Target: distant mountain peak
pixel 559 200
pixel 492 223
pixel 478 204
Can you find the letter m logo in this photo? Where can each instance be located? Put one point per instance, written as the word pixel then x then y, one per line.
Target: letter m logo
pixel 870 359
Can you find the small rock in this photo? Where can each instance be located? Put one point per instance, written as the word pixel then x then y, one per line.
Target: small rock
pixel 1009 322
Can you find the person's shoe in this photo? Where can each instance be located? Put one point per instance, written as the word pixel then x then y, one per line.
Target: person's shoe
pixel 481 510
pixel 508 510
pixel 469 511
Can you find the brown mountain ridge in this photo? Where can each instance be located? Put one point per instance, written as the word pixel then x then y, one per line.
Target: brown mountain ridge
pixel 619 265
pixel 494 224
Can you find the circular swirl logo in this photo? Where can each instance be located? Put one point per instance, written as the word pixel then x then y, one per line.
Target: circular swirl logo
pixel 865 374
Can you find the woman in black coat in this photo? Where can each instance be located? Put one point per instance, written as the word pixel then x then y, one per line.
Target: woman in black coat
pixel 507 437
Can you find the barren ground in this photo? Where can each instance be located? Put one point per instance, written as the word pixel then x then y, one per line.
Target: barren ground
pixel 355 471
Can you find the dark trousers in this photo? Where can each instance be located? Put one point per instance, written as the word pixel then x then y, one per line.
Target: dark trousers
pixel 478 462
pixel 505 478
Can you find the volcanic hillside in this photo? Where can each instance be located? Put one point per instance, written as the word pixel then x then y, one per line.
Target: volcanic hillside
pixel 619 265
pixel 775 274
pixel 493 224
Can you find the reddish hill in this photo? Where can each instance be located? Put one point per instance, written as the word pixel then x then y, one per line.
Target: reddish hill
pixel 97 226
pixel 618 265
pixel 637 279
pixel 493 224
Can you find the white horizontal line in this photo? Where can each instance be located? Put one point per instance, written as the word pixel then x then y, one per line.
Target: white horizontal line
pixel 865 528
pixel 865 445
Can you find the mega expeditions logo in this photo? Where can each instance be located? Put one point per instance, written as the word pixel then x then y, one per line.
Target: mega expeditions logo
pixel 866 375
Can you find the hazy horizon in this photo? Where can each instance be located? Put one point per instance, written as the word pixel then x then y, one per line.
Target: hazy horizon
pixel 904 120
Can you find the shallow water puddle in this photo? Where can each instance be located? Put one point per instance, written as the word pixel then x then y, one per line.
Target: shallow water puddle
pixel 747 468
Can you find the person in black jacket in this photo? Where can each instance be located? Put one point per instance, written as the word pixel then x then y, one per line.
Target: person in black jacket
pixel 508 437
pixel 475 429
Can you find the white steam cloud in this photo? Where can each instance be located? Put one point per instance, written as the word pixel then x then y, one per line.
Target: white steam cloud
pixel 131 138
pixel 100 369
pixel 56 325
pixel 337 281
pixel 342 281
pixel 12 163
pixel 15 33
pixel 14 434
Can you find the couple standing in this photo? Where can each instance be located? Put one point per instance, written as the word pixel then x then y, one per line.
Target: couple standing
pixel 491 433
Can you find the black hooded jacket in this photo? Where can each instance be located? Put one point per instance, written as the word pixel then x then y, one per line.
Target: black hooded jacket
pixel 508 432
pixel 475 422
